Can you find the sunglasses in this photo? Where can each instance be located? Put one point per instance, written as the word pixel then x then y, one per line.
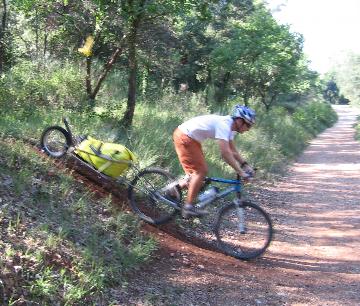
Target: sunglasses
pixel 248 125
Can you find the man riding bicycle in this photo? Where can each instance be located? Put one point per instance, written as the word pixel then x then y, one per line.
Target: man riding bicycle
pixel 188 138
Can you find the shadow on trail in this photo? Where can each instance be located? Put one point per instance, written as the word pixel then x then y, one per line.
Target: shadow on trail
pixel 307 263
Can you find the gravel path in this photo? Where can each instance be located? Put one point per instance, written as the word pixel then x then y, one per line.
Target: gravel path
pixel 314 259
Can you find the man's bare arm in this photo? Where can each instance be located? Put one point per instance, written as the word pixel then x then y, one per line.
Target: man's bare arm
pixel 236 153
pixel 230 158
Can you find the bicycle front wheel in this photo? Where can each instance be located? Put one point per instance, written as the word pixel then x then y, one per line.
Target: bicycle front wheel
pixel 55 141
pixel 243 232
pixel 147 198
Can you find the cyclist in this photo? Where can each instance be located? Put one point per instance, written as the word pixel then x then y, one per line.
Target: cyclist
pixel 188 138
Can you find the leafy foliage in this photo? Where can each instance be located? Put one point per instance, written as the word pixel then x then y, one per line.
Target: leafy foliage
pixel 347 77
pixel 30 83
pixel 315 117
pixel 261 59
pixel 220 49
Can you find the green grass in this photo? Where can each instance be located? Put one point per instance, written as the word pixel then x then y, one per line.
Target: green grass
pixel 71 246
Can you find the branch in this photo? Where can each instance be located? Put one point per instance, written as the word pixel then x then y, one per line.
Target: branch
pixel 106 70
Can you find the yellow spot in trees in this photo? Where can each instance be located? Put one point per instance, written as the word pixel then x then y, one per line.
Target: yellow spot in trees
pixel 86 50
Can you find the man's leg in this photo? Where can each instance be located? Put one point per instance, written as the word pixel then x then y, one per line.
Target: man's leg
pixel 195 184
pixel 193 162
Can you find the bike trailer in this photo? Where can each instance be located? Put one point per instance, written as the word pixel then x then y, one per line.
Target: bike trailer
pixel 109 158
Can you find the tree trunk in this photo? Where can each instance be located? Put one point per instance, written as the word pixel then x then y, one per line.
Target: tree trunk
pixel 132 63
pixel 45 44
pixel 2 36
pixel 220 94
pixel 137 11
pixel 88 77
pixel 37 34
pixel 208 83
pixel 91 99
pixel 246 98
pixel 263 101
pixel 267 106
pixel 130 107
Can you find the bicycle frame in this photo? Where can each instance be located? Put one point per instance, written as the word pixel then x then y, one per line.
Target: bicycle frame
pixel 236 187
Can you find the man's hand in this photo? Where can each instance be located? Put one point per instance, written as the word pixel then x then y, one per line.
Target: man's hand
pixel 247 172
pixel 246 176
pixel 248 169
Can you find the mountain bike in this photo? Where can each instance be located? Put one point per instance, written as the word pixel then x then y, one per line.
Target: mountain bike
pixel 242 229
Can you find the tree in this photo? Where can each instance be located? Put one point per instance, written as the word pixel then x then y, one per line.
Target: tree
pixel 347 77
pixel 262 59
pixel 139 12
pixel 199 38
pixel 116 26
pixel 331 92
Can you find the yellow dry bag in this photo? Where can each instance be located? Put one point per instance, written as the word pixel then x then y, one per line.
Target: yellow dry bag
pixel 109 158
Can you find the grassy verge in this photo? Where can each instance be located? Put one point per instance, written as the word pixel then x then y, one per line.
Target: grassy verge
pixel 60 243
pixel 357 129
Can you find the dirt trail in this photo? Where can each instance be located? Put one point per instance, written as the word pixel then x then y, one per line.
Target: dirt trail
pixel 314 259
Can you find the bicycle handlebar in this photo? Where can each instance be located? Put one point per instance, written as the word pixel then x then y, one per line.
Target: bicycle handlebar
pixel 250 173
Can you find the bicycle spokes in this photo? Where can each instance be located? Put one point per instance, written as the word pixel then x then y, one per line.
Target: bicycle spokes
pixel 146 197
pixel 243 231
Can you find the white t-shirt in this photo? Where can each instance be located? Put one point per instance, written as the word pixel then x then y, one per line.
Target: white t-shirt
pixel 208 126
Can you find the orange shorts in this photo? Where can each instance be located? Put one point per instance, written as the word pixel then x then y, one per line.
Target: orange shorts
pixel 190 153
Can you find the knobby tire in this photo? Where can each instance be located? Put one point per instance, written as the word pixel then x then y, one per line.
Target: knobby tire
pixel 55 141
pixel 257 237
pixel 143 197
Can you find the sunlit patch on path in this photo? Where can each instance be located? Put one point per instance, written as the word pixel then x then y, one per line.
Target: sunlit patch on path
pixel 320 220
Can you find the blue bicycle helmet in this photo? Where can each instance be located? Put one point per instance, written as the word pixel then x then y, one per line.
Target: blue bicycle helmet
pixel 245 113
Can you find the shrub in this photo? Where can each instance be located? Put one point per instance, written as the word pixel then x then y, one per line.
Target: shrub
pixel 281 129
pixel 315 117
pixel 30 84
pixel 357 129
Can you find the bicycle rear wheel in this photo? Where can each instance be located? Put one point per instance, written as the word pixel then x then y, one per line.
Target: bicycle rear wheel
pixel 147 198
pixel 243 232
pixel 55 141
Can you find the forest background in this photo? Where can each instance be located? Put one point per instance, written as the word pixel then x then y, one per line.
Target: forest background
pixel 130 71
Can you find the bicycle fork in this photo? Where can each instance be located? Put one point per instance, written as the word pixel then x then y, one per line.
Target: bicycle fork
pixel 240 214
